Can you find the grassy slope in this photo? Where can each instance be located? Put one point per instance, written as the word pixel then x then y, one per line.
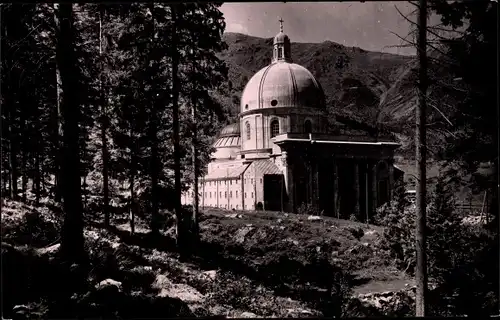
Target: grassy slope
pixel 264 263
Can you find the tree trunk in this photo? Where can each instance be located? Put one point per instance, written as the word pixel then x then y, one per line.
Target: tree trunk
pixel 11 106
pixel 153 137
pixel 84 191
pixel 72 242
pixel 4 184
pixel 194 232
pixel 58 142
pixel 12 155
pixel 37 177
pixel 181 229
pixel 104 125
pixel 131 187
pixel 24 165
pixel 420 142
pixel 42 180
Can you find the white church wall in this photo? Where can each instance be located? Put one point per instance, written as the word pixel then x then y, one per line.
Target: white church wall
pixel 249 141
pixel 226 153
pixel 254 188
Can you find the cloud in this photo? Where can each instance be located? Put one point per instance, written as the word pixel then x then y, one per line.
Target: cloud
pixel 236 27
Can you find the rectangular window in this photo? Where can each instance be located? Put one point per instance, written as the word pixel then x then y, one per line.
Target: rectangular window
pixel 231 182
pixel 260 180
pixel 236 194
pixel 230 194
pixel 245 195
pixel 220 194
pixel 252 194
pixel 251 181
pixel 210 194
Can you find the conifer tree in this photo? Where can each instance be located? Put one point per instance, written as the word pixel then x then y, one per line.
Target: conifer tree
pixel 66 62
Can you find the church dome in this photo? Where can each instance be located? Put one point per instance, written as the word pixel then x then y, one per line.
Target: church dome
pixel 230 130
pixel 282 84
pixel 228 143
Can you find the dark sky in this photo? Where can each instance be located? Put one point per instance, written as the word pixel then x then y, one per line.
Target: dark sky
pixel 366 25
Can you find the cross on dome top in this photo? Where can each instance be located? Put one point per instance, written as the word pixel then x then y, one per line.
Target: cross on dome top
pixel 281 45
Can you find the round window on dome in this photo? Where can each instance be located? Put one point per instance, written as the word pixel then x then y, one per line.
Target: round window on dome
pixel 246 106
pixel 274 102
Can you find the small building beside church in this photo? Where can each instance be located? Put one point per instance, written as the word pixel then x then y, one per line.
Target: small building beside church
pixel 281 154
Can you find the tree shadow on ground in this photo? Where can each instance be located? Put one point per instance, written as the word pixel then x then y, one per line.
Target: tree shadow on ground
pixel 144 240
pixel 38 286
pixel 319 284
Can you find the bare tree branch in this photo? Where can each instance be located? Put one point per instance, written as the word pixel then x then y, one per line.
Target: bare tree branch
pixel 18 43
pixel 408 42
pixel 405 17
pixel 440 112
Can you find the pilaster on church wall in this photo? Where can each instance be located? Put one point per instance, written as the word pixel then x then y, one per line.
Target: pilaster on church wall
pixel 259 132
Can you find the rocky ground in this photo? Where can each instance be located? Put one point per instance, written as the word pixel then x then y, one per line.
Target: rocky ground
pixel 249 264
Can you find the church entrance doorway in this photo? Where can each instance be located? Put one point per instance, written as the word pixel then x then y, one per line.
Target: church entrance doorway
pixel 274 191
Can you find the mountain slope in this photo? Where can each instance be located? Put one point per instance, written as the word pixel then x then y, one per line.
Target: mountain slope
pixel 363 88
pixel 353 79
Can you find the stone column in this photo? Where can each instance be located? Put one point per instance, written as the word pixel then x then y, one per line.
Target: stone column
pixel 315 181
pixel 367 191
pixel 290 188
pixel 374 186
pixel 390 164
pixel 335 188
pixel 356 187
pixel 310 171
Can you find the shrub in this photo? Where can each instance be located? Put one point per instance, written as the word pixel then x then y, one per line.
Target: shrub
pixel 34 229
pixel 357 233
pixel 456 253
pixel 309 209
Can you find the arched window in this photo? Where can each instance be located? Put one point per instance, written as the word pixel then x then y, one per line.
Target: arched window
pixel 248 130
pixel 307 126
pixel 275 128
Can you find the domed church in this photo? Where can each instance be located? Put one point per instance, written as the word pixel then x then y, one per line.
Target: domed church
pixel 280 155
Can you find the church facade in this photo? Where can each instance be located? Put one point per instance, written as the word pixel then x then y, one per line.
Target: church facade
pixel 281 155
